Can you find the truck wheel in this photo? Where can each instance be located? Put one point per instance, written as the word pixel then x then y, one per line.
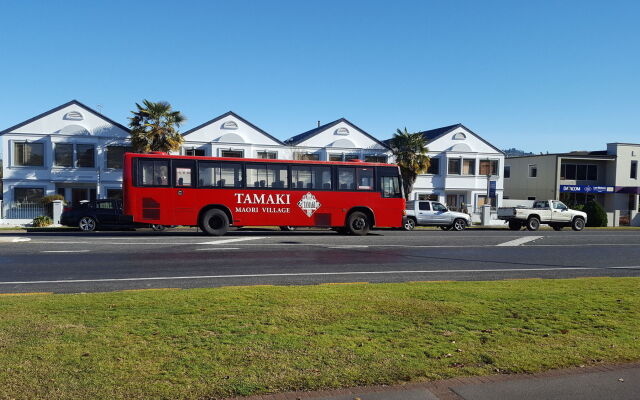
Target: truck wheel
pixel 459 224
pixel 410 224
pixel 515 225
pixel 557 227
pixel 533 224
pixel 358 223
pixel 214 222
pixel 577 224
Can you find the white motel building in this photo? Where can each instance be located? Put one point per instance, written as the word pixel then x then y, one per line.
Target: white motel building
pixel 75 151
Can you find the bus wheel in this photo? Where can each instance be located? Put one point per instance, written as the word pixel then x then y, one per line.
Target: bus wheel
pixel 214 222
pixel 358 223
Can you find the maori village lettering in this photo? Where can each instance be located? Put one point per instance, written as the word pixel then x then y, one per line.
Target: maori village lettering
pixel 266 203
pixel 274 203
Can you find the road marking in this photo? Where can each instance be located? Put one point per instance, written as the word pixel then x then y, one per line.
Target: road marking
pixel 221 241
pixel 219 248
pixel 13 239
pixel 519 241
pixel 165 278
pixel 349 246
pixel 65 251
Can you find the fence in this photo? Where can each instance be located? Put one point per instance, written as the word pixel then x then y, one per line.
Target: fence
pixel 25 210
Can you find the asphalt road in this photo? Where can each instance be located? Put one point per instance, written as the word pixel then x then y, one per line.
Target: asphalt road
pixel 105 261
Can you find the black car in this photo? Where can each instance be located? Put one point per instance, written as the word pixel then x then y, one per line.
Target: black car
pixel 97 214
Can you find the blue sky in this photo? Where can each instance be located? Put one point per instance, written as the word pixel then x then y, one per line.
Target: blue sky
pixel 540 76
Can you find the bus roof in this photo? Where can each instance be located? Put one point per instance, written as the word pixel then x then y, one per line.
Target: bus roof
pixel 261 160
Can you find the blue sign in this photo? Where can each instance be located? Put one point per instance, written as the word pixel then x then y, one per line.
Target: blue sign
pixel 586 189
pixel 492 189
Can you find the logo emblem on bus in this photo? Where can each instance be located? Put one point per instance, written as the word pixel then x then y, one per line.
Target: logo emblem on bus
pixel 309 204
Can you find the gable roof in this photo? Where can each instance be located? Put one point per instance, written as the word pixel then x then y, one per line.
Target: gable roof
pixel 60 107
pixel 228 113
pixel 436 133
pixel 294 141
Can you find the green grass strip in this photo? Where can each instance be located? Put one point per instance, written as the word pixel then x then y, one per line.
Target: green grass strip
pixel 211 343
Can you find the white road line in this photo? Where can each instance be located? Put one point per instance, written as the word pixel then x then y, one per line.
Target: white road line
pixel 165 278
pixel 221 241
pixel 349 246
pixel 13 239
pixel 630 267
pixel 219 248
pixel 65 251
pixel 519 241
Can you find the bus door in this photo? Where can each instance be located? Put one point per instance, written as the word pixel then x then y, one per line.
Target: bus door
pixel 183 196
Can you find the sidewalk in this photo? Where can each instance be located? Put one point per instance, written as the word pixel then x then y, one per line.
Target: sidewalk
pixel 616 382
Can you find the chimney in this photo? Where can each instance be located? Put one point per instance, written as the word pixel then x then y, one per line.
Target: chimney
pixel 318 123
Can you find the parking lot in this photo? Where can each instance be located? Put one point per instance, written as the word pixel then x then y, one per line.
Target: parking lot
pixel 183 258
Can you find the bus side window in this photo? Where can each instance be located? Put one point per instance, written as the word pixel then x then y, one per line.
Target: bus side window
pixel 391 187
pixel 231 175
pixel 365 178
pixel 277 176
pixel 209 174
pixel 154 172
pixel 346 178
pixel 322 178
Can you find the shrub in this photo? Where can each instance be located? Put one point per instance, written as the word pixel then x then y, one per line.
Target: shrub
pixel 50 199
pixel 42 221
pixel 596 216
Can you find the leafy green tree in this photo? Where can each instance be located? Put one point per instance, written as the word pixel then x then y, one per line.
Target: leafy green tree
pixel 154 127
pixel 410 151
pixel 596 216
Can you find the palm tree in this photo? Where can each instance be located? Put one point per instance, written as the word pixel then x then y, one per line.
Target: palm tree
pixel 154 127
pixel 409 150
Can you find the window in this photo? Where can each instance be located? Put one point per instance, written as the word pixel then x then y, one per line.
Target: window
pixel 390 186
pixel 531 198
pixel 365 178
pixel 85 156
pixel 219 174
pixel 507 171
pixel 310 177
pixel 115 194
pixel 533 171
pixel 183 177
pixel 63 155
pixel 154 173
pixel 438 207
pixel 232 153
pixel 454 166
pixel 272 155
pixel 267 176
pixel 335 157
pixel 27 195
pixel 346 178
pixel 349 157
pixel 115 156
pixel 581 172
pixel 28 154
pixel 375 158
pixel 195 152
pixel 468 167
pixel 568 171
pixel 592 172
pixel 307 156
pixel 104 205
pixel 434 166
pixel 541 204
pixel 424 206
pixel 488 167
pixel 634 170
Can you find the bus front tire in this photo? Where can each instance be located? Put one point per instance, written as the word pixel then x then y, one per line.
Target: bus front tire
pixel 214 222
pixel 358 223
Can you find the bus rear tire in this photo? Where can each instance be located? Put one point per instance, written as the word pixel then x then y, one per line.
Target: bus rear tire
pixel 358 223
pixel 214 222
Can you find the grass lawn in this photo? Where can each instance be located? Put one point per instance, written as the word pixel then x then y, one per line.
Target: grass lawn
pixel 211 343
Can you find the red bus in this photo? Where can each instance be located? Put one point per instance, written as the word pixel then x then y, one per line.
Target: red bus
pixel 215 193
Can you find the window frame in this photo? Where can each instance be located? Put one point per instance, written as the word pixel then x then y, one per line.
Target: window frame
pixel 241 151
pixel 55 155
pixel 633 172
pixel 532 167
pixel 431 160
pixel 505 174
pixel 127 149
pixel 472 161
pixel 43 189
pixel 14 155
pixel 76 160
pixel 459 161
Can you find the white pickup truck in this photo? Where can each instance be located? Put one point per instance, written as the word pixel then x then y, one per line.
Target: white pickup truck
pixel 432 213
pixel 551 212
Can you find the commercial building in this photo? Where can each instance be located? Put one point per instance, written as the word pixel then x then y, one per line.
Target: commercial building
pixel 608 176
